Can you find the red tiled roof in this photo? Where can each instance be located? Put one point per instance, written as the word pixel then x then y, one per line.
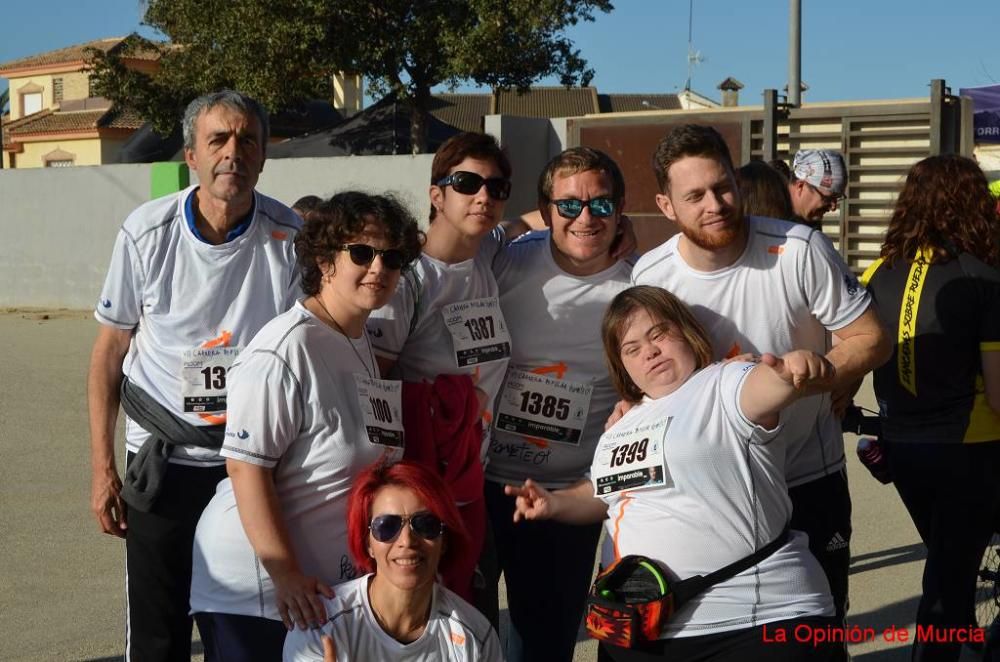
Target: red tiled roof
pixel 50 121
pixel 74 53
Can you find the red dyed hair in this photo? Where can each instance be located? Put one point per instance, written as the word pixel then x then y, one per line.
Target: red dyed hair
pixel 426 484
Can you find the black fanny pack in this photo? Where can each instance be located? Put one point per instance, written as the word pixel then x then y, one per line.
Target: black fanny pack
pixel 631 600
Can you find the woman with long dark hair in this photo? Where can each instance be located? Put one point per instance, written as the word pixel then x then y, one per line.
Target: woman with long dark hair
pixel 937 288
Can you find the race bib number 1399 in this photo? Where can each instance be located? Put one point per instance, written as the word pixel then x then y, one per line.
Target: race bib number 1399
pixel 631 458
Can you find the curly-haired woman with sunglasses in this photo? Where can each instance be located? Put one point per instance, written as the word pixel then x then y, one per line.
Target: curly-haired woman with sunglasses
pixel 307 413
pixel 403 528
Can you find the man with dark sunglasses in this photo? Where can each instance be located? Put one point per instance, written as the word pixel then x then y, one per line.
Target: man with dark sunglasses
pixel 554 287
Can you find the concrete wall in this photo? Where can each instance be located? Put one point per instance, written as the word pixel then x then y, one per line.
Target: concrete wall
pixel 58 224
pixel 530 143
pixel 407 176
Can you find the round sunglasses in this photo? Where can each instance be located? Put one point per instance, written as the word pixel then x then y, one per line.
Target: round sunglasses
pixel 571 207
pixel 386 528
pixel 363 255
pixel 469 183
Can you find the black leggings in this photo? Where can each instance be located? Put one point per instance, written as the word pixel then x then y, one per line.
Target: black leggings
pixel 951 492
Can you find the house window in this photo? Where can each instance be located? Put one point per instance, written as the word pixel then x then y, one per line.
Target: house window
pixel 59 158
pixel 57 90
pixel 31 103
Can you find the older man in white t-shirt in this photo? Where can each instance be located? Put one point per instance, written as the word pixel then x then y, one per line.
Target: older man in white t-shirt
pixel 193 277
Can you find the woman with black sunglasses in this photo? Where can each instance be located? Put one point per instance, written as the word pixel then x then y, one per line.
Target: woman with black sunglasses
pixel 445 318
pixel 307 413
pixel 404 528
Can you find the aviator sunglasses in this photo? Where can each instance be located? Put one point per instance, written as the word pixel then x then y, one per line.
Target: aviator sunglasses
pixel 385 528
pixel 599 207
pixel 469 183
pixel 363 255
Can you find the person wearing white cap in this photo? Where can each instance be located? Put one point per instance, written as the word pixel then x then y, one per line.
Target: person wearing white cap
pixel 817 184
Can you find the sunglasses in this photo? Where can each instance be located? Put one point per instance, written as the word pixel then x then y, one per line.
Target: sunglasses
pixel 386 528
pixel 829 199
pixel 469 183
pixel 363 255
pixel 599 207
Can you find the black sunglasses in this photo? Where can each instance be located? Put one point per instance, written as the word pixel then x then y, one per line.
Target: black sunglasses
pixel 363 255
pixel 385 528
pixel 599 207
pixel 469 183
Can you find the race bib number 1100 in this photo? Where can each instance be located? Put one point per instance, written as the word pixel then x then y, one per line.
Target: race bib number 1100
pixel 381 402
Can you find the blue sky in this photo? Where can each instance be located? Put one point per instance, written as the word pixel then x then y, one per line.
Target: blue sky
pixel 852 49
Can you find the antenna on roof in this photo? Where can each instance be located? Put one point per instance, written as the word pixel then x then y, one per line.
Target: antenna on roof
pixel 693 57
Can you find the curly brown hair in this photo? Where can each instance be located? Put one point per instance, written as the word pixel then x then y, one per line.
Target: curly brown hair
pixel 946 206
pixel 342 219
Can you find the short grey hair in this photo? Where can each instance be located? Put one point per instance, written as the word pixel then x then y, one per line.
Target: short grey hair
pixel 231 99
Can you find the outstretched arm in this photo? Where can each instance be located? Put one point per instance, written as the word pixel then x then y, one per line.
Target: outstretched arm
pixel 776 382
pixel 575 504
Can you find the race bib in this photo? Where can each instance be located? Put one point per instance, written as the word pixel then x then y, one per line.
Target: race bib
pixel 631 459
pixel 381 403
pixel 478 331
pixel 539 406
pixel 203 378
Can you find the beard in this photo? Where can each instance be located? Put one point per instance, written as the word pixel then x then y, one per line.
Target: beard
pixel 715 240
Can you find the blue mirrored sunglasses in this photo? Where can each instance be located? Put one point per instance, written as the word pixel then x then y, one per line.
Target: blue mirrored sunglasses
pixel 599 207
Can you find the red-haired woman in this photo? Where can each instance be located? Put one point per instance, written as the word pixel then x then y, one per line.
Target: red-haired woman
pixel 937 289
pixel 403 527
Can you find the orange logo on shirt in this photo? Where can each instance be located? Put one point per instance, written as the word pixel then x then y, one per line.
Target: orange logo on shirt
pixel 457 639
pixel 777 249
pixel 222 341
pixel 734 351
pixel 279 235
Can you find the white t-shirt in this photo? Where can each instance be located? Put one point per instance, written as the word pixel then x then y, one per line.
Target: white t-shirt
pixel 456 632
pixel 417 328
pixel 788 289
pixel 555 326
pixel 194 305
pixel 294 407
pixel 721 496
